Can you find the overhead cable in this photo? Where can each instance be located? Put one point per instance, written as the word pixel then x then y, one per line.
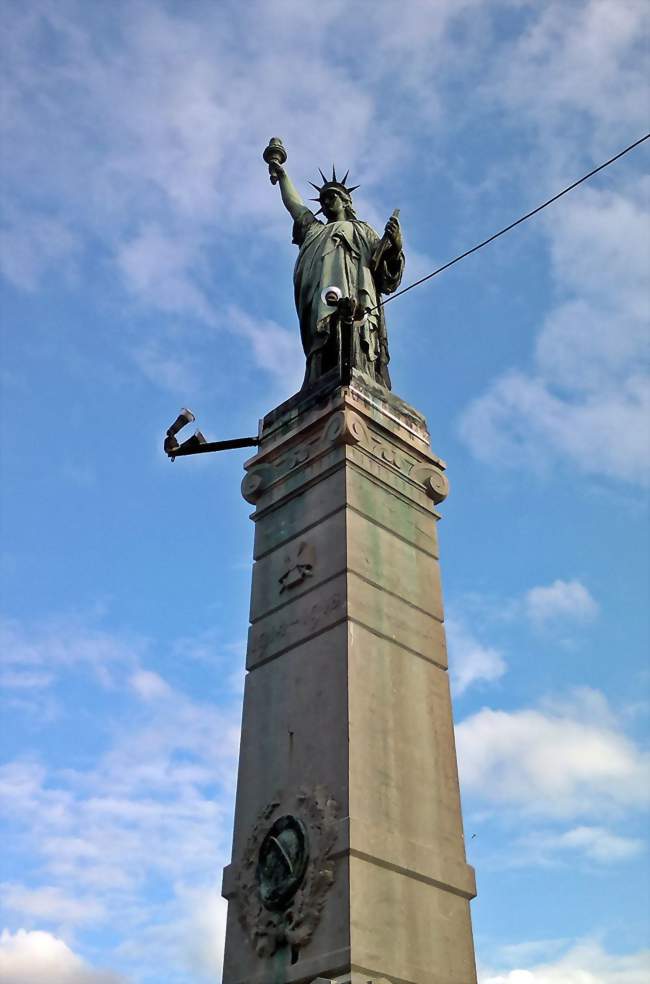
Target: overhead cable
pixel 523 218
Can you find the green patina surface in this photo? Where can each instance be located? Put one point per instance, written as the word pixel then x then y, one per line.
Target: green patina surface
pixel 346 256
pixel 393 506
pixel 281 962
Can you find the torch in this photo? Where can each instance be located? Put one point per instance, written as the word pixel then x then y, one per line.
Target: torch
pixel 274 154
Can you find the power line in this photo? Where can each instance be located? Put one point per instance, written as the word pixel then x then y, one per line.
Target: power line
pixel 523 218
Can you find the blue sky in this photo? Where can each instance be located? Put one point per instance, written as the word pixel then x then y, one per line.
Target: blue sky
pixel 146 265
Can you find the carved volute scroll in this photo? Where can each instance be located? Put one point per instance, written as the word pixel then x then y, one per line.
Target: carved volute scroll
pixel 254 482
pixel 435 482
pixel 345 427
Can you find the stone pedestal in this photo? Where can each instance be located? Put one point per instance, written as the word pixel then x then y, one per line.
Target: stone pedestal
pixel 348 817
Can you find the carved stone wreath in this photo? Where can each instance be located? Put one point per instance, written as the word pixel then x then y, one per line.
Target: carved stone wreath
pixel 294 925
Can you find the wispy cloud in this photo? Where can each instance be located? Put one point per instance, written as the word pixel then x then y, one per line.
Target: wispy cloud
pixel 560 600
pixel 564 758
pixel 35 246
pixel 160 270
pixel 583 848
pixel 28 956
pixel 470 661
pixel 167 363
pixel 275 349
pixel 147 161
pixel 189 934
pixel 49 904
pixel 151 804
pixel 33 658
pixel 150 686
pixel 155 805
pixel 595 843
pixel 585 962
pixel 585 398
pixel 586 61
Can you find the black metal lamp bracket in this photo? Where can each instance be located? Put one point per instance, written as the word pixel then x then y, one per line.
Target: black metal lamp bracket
pixel 197 443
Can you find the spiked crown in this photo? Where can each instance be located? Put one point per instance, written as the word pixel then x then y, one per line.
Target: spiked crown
pixel 333 183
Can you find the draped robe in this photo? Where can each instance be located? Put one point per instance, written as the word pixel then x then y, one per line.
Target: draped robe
pixel 343 254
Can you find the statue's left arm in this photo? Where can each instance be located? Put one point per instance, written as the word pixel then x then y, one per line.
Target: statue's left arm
pixel 388 258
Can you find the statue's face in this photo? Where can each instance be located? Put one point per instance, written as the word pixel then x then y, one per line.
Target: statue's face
pixel 333 204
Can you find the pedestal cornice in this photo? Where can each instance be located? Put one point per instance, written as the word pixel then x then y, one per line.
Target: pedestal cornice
pixel 301 449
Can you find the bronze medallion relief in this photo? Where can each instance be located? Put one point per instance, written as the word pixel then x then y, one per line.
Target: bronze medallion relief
pixel 287 871
pixel 282 861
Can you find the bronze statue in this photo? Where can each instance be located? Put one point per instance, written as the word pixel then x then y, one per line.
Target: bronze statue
pixel 342 265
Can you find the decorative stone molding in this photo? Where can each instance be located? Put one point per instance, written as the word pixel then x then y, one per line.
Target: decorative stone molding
pixel 295 456
pixel 254 483
pixel 300 560
pixel 425 474
pixel 294 924
pixel 435 482
pixel 347 427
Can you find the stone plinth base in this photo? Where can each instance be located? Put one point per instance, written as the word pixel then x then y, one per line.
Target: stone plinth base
pixel 347 798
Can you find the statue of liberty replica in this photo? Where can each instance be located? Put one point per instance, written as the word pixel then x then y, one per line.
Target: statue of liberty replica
pixel 348 858
pixel 343 267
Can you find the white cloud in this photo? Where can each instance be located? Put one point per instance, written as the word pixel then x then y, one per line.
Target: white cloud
pixel 600 425
pixel 149 144
pixel 33 659
pixel 191 934
pixel 31 957
pixel 25 680
pixel 520 421
pixel 202 935
pixel 584 963
pixel 560 600
pixel 164 363
pixel 585 399
pixel 469 660
pixel 580 848
pixel 35 246
pixel 561 759
pixel 152 805
pixel 596 843
pixel 275 349
pixel 156 805
pixel 159 267
pixel 149 685
pixel 584 60
pixel 50 904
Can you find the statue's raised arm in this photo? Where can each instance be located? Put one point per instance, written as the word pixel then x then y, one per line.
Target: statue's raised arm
pixel 275 155
pixel 341 258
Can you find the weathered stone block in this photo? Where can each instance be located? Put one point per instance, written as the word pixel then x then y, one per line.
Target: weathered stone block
pixel 298 513
pixel 395 511
pixel 307 615
pixel 298 566
pixel 395 619
pixel 403 929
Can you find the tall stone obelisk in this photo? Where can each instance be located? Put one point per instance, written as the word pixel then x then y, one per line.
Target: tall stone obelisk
pixel 348 859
